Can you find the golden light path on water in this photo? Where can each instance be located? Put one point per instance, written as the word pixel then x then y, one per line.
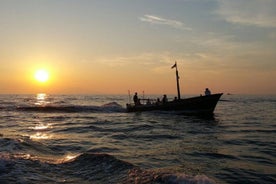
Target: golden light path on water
pixel 55 159
pixel 42 126
pixel 41 99
pixel 41 134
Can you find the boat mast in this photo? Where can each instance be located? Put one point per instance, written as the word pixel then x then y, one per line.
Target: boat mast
pixel 177 80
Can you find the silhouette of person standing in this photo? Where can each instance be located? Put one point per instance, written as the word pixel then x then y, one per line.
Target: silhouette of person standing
pixel 135 98
pixel 165 99
pixel 207 92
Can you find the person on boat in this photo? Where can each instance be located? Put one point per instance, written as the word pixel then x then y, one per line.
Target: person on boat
pixel 175 99
pixel 148 102
pixel 158 102
pixel 164 99
pixel 135 98
pixel 207 92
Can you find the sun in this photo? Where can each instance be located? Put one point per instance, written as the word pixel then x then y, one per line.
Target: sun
pixel 41 75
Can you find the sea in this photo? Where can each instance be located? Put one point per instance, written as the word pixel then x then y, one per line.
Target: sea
pixel 47 138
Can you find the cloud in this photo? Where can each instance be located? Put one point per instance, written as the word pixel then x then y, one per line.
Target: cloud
pixel 142 59
pixel 162 21
pixel 261 13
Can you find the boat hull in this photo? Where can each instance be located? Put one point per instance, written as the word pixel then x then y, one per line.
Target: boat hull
pixel 195 105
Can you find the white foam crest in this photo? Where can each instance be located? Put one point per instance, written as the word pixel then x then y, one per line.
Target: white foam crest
pixel 67 158
pixel 112 107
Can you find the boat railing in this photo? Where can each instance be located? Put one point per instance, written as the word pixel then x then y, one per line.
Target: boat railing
pixel 148 101
pixel 144 101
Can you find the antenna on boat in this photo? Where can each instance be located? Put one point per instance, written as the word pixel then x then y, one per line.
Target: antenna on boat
pixel 177 80
pixel 129 96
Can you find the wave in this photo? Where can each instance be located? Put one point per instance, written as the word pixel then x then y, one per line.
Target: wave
pixel 109 169
pixel 24 146
pixel 109 107
pixel 21 162
pixel 138 175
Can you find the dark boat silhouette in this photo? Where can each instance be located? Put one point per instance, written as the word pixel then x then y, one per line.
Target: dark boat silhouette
pixel 199 105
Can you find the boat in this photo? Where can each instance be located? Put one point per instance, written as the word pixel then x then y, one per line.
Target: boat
pixel 198 105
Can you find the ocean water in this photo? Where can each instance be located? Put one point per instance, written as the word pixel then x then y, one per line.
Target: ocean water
pixel 91 139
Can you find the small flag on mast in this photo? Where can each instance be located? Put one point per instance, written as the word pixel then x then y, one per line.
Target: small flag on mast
pixel 173 66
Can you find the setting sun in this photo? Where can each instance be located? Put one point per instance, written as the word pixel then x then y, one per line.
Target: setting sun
pixel 41 75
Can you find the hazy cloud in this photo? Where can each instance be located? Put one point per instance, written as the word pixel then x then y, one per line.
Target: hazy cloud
pixel 143 59
pixel 162 21
pixel 260 13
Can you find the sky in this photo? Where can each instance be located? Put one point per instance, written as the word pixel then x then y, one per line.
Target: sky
pixel 116 46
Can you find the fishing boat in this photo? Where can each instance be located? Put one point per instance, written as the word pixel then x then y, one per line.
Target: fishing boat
pixel 199 105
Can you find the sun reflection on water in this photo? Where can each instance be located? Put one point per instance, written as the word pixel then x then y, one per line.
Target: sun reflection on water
pixel 39 128
pixel 67 158
pixel 42 126
pixel 40 135
pixel 41 99
pixel 22 155
pixel 70 157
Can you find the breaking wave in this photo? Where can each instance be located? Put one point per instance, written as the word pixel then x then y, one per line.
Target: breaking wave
pixel 109 107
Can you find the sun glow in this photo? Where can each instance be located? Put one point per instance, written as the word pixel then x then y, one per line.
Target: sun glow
pixel 41 75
